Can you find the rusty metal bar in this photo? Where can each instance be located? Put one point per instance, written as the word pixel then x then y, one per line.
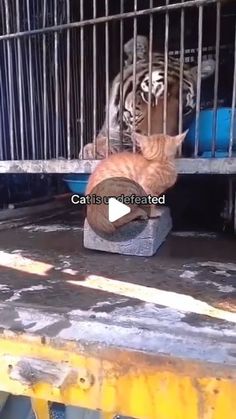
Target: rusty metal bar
pixel 232 124
pixel 134 70
pixel 94 77
pixel 121 110
pixel 68 80
pixel 107 77
pixel 87 22
pixel 166 69
pixel 216 81
pixel 150 68
pixel 81 80
pixel 199 65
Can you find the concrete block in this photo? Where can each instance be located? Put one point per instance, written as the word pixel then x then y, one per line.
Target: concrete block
pixel 145 243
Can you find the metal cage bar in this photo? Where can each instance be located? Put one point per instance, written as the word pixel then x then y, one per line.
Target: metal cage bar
pixel 81 79
pixel 121 110
pixel 107 78
pixel 181 70
pixel 134 70
pixel 10 81
pixel 56 44
pixel 216 81
pixel 166 69
pixel 58 101
pixel 68 83
pixel 20 87
pixel 107 19
pixel 94 80
pixel 232 123
pixel 150 68
pixel 44 85
pixel 199 64
pixel 32 108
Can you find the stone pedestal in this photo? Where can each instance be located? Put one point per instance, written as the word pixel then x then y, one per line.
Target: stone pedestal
pixel 145 243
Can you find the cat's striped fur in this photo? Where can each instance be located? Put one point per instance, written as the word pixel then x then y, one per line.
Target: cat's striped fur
pixel 153 171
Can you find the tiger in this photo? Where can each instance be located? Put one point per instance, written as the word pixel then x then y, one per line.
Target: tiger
pixel 132 114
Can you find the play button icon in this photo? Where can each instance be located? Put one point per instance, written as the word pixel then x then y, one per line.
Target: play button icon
pixel 116 210
pixel 112 214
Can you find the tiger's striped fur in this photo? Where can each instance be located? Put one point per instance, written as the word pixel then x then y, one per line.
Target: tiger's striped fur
pixel 135 115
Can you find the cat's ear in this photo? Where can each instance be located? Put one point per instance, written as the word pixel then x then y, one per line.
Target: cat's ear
pixel 180 138
pixel 138 139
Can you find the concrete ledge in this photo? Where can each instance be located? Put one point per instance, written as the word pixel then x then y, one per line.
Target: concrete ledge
pixel 145 243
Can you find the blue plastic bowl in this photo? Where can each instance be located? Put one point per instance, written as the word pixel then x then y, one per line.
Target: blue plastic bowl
pixel 77 183
pixel 223 121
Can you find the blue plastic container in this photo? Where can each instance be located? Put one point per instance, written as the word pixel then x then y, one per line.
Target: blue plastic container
pixel 77 183
pixel 206 119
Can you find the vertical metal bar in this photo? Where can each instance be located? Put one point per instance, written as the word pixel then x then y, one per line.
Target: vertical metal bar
pixel 32 113
pixel 56 80
pixel 121 110
pixel 50 101
pixel 216 81
pixel 107 76
pixel 15 98
pixel 5 97
pixel 94 80
pixel 68 81
pixel 2 99
pixel 10 81
pixel 232 124
pixel 199 66
pixel 134 69
pixel 75 89
pixel 181 70
pixel 81 80
pixel 38 72
pixel 44 85
pixel 19 60
pixel 150 67
pixel 166 69
pixel 3 123
pixel 181 73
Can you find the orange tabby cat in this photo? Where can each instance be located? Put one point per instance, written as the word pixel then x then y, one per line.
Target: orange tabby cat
pixel 153 169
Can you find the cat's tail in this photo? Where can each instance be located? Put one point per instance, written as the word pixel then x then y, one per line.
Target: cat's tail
pixel 98 218
pixel 98 214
